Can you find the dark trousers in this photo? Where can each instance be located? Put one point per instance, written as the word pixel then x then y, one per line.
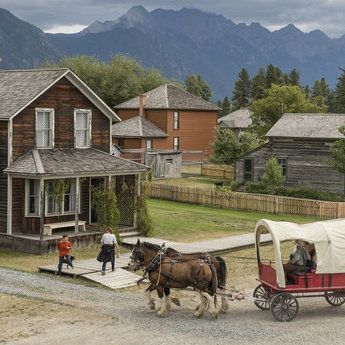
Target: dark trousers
pixel 112 260
pixel 68 258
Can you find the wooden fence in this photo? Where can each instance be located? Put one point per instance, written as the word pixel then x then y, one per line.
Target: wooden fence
pixel 247 201
pixel 218 171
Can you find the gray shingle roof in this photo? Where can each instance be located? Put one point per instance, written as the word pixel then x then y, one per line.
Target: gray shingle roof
pixel 71 162
pixel 169 96
pixel 137 127
pixel 318 126
pixel 18 88
pixel 237 119
pixel 21 87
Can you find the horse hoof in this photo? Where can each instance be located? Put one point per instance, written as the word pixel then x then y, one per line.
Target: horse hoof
pixel 161 314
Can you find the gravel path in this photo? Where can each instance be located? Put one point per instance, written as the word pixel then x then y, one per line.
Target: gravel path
pixel 39 309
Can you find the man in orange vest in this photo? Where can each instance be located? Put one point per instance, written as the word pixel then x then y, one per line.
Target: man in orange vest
pixel 64 247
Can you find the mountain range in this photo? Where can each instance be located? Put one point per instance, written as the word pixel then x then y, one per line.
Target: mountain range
pixel 179 43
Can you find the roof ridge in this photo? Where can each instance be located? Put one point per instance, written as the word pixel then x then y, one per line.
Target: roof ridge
pixel 140 126
pixel 35 70
pixel 37 160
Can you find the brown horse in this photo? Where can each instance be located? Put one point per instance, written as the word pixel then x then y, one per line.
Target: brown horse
pixel 217 261
pixel 176 272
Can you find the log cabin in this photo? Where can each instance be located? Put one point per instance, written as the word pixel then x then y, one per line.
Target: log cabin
pixel 300 142
pixel 53 126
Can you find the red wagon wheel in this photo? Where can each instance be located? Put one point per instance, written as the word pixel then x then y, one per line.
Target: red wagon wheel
pixel 335 298
pixel 263 297
pixel 284 307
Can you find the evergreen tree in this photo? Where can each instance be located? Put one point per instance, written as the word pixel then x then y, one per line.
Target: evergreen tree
pixel 198 87
pixel 307 91
pixel 258 85
pixel 220 112
pixel 226 106
pixel 339 104
pixel 241 91
pixel 294 78
pixel 273 75
pixel 338 153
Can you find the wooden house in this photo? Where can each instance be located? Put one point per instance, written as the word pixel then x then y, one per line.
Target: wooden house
pixel 186 122
pixel 301 143
pixel 238 121
pixel 53 126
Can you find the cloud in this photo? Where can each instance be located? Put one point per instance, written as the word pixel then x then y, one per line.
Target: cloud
pixel 307 15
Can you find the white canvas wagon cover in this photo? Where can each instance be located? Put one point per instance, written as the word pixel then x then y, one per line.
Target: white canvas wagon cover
pixel 327 236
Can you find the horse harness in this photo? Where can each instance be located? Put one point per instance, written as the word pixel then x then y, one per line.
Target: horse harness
pixel 156 264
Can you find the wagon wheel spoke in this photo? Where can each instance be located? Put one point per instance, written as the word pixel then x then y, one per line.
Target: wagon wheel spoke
pixel 335 298
pixel 263 297
pixel 284 307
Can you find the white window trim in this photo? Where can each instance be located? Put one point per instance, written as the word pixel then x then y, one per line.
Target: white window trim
pixel 27 200
pixel 178 143
pixel 62 213
pixel 89 112
pixel 178 120
pixel 52 121
pixel 151 145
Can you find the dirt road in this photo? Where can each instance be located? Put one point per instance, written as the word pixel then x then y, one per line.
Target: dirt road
pixel 40 309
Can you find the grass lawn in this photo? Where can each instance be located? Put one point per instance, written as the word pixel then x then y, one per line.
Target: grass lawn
pixel 182 222
pixel 194 181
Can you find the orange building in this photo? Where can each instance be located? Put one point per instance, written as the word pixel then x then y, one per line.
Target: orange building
pixel 187 121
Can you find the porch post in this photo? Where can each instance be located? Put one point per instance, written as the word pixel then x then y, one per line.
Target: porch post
pixel 138 185
pixel 77 192
pixel 9 205
pixel 42 208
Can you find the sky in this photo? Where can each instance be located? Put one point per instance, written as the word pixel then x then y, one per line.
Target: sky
pixel 73 15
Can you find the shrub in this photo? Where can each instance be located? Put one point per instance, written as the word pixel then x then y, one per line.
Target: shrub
pixel 273 175
pixel 301 192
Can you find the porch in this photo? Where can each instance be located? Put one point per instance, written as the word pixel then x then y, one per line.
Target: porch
pixel 32 243
pixel 75 174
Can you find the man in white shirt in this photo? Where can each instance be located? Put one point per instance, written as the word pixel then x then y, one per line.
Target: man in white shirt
pixel 108 251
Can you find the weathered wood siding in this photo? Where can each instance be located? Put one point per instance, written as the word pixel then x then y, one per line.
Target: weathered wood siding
pixel 307 164
pixel 64 98
pixel 31 225
pixel 3 177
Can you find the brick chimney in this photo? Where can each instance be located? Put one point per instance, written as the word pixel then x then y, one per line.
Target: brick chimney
pixel 142 103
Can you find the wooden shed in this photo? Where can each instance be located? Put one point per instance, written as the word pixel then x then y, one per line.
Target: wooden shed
pixel 301 143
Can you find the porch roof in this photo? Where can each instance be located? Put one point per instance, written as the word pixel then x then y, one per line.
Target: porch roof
pixel 72 162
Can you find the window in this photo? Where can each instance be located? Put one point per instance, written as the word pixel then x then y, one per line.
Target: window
pixel 44 128
pixel 149 143
pixel 176 143
pixel 33 199
pixel 283 165
pixel 68 201
pixel 121 143
pixel 176 120
pixel 82 128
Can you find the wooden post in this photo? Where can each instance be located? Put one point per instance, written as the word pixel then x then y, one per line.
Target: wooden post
pixel 42 208
pixel 202 161
pixel 77 198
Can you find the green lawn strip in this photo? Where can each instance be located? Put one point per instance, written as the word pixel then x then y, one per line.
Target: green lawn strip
pixel 183 222
pixel 194 182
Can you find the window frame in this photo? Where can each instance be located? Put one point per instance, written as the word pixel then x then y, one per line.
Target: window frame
pixel 283 168
pixel 28 196
pixel 89 129
pixel 63 212
pixel 178 143
pixel 176 120
pixel 51 129
pixel 149 147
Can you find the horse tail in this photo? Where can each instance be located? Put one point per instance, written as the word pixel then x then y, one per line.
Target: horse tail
pixel 214 280
pixel 222 273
